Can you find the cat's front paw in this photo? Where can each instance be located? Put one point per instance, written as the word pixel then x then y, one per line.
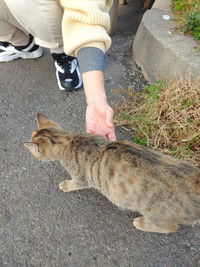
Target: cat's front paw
pixel 64 187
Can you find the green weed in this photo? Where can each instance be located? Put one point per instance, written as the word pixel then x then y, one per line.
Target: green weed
pixel 188 16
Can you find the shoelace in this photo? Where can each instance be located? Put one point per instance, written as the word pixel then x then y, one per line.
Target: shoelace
pixel 65 63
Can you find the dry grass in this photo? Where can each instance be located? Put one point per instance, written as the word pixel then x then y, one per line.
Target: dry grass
pixel 165 116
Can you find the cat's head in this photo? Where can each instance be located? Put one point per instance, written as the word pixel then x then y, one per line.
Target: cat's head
pixel 42 144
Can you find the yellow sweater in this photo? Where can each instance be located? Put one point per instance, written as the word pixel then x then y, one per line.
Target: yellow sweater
pixel 86 24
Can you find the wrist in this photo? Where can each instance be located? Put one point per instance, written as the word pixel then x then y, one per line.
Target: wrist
pixel 94 87
pixel 96 99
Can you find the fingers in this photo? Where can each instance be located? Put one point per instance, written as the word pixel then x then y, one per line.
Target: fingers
pixel 109 117
pixel 89 131
pixel 109 122
pixel 112 136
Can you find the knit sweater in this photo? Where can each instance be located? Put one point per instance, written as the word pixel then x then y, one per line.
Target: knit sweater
pixel 85 27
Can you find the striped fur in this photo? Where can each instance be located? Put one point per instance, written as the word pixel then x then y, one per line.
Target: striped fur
pixel 165 190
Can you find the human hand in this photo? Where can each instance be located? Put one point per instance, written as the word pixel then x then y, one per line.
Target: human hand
pixel 99 120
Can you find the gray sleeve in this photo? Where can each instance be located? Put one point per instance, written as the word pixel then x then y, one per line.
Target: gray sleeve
pixel 91 58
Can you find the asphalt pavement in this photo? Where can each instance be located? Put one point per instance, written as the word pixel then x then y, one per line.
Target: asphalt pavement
pixel 40 226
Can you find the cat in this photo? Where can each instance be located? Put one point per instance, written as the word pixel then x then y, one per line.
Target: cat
pixel 163 189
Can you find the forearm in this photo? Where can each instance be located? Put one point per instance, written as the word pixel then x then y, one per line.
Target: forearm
pixel 91 62
pixel 94 87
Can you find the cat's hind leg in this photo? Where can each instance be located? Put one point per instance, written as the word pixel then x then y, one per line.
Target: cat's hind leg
pixel 72 185
pixel 144 224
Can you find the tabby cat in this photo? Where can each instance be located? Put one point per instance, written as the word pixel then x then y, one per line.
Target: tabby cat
pixel 165 190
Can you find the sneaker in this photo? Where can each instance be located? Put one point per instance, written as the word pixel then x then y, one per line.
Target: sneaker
pixel 9 52
pixel 67 72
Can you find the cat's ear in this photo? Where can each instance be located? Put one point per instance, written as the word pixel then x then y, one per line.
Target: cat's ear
pixel 44 122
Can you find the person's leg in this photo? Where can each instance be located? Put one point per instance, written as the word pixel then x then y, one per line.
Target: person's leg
pixel 15 42
pixel 10 29
pixel 42 19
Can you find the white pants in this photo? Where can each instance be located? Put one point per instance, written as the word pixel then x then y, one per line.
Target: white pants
pixel 41 18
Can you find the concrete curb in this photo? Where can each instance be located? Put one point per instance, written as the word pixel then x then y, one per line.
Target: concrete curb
pixel 160 52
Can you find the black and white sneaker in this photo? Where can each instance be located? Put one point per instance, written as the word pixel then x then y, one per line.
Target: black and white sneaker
pixel 9 52
pixel 67 72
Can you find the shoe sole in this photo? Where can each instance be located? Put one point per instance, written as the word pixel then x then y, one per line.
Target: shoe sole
pixel 23 55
